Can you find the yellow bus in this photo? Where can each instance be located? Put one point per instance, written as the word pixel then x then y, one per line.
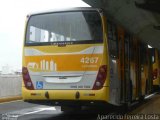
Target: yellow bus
pixel 155 68
pixel 79 57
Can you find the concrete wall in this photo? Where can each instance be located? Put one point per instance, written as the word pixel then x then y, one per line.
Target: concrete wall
pixel 10 85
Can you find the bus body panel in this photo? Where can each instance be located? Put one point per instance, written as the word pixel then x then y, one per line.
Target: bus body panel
pixel 70 64
pixel 72 70
pixel 156 78
pixel 62 70
pixel 66 94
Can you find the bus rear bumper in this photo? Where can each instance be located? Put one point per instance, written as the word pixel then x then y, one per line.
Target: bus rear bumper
pixel 66 97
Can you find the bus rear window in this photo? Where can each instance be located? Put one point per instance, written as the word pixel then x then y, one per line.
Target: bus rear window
pixel 69 27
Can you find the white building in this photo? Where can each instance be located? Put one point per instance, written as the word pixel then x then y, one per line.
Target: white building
pixel 7 70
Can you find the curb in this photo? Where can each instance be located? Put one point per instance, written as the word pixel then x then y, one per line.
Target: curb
pixel 8 99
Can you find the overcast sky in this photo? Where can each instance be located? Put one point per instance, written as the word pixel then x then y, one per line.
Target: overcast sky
pixel 12 21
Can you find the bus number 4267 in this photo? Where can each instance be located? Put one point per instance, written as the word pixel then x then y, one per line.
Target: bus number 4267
pixel 88 60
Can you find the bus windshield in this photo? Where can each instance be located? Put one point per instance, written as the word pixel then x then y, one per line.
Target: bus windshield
pixel 74 27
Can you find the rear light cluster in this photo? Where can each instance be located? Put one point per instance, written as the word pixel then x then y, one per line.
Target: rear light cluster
pixel 26 78
pixel 155 74
pixel 101 77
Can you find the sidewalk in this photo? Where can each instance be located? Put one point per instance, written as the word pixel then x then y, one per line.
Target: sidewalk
pixel 8 99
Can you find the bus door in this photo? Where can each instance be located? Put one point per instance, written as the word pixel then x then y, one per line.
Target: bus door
pixel 122 64
pixel 113 63
pixel 151 58
pixel 137 69
pixel 143 65
pixel 127 81
pixel 133 67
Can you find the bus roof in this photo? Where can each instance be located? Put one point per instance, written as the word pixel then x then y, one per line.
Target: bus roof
pixel 66 10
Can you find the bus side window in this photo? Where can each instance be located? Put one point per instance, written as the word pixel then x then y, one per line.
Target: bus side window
pixel 112 40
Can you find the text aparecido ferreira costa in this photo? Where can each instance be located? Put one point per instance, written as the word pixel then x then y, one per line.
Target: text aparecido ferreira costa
pixel 129 117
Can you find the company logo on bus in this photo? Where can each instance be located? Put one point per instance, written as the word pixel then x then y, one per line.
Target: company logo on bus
pixel 44 65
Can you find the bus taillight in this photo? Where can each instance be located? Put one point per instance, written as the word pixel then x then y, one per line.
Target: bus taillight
pixel 155 73
pixel 101 77
pixel 26 78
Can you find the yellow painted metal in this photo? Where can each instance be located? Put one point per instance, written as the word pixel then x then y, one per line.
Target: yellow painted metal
pixel 101 94
pixel 156 66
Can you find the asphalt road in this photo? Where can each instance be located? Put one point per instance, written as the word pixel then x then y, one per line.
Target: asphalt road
pixel 19 110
